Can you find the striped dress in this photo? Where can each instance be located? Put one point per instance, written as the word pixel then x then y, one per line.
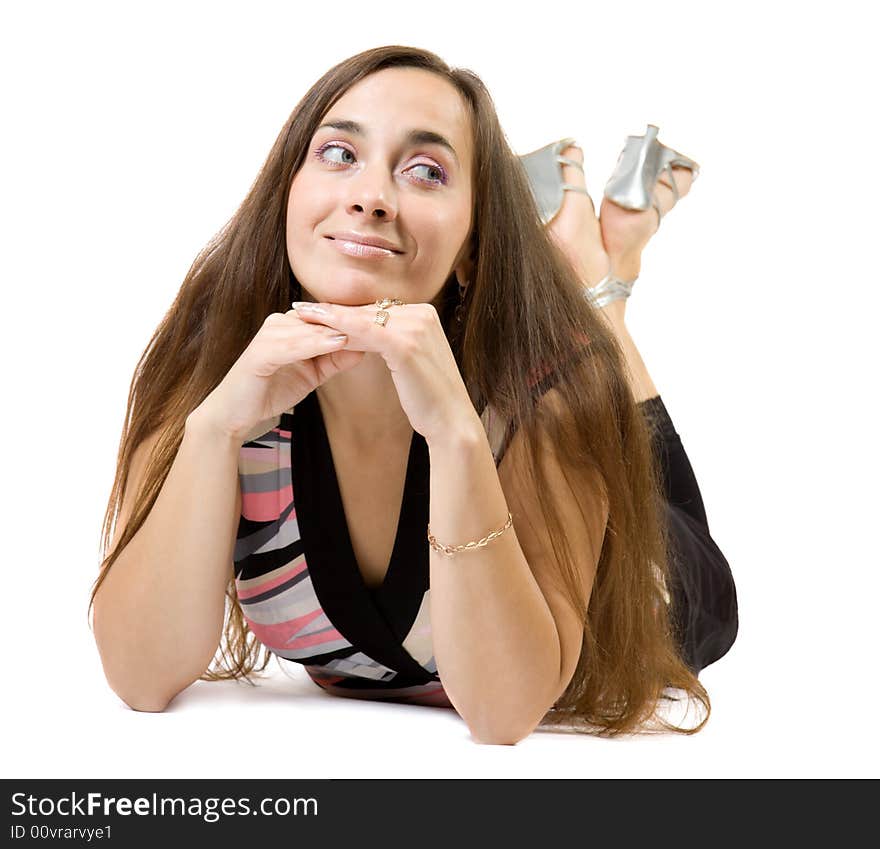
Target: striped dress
pixel 297 578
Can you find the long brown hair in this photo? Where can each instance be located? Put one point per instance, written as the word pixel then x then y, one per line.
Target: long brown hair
pixel 524 308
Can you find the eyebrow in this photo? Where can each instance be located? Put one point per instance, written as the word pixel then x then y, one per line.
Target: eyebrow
pixel 417 136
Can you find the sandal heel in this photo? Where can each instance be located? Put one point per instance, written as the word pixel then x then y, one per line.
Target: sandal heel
pixel 639 167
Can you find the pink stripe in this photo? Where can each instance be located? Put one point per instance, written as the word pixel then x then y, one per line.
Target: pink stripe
pixel 265 506
pixel 270 585
pixel 310 640
pixel 282 635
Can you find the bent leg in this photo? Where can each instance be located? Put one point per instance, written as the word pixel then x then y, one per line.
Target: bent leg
pixel 703 595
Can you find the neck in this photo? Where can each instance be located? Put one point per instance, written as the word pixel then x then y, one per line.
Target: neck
pixel 362 404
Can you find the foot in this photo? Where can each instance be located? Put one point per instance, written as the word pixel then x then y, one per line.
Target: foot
pixel 576 229
pixel 626 232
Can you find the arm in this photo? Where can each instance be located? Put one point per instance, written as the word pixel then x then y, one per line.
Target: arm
pixel 158 615
pixel 506 639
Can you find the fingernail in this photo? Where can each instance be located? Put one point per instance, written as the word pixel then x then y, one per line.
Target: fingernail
pixel 308 306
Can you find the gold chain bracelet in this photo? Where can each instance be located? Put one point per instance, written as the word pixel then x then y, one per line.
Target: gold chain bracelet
pixel 450 549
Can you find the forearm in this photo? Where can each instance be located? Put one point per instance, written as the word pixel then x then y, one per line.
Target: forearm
pixel 495 640
pixel 159 612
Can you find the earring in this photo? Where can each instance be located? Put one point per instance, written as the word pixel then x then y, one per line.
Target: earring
pixel 459 310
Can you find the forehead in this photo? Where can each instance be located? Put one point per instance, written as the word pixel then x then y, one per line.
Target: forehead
pixel 395 100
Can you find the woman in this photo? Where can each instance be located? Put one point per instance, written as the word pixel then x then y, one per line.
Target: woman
pixel 447 497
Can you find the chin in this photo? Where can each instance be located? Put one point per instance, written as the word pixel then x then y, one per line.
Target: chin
pixel 359 292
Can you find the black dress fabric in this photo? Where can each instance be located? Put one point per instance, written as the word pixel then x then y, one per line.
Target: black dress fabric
pixel 703 594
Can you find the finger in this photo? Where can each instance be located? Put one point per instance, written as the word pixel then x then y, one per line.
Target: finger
pixel 344 319
pixel 307 333
pixel 357 322
pixel 285 350
pixel 316 314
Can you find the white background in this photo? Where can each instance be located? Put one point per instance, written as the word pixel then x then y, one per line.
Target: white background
pixel 132 133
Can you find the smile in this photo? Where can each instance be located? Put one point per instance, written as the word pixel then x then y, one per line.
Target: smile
pixel 359 250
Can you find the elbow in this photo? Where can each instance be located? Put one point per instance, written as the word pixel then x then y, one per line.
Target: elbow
pixel 490 726
pixel 135 694
pixel 499 736
pixel 493 731
pixel 497 740
pixel 493 727
pixel 147 706
pixel 138 695
pixel 144 702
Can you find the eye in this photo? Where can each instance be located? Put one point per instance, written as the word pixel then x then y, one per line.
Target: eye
pixel 436 168
pixel 319 153
pixel 440 179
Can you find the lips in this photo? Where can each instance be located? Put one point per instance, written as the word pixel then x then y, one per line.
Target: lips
pixel 364 239
pixel 360 250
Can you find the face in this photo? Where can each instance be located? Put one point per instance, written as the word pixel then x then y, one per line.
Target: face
pixel 382 181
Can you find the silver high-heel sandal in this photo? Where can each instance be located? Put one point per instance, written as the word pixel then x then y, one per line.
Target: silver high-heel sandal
pixel 638 169
pixel 543 168
pixel 637 172
pixel 545 177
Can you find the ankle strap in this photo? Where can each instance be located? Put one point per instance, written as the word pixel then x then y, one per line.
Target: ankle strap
pixel 609 289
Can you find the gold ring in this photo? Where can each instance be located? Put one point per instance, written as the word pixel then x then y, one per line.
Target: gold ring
pixel 382 314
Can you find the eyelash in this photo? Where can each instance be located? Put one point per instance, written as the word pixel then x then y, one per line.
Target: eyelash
pixel 443 176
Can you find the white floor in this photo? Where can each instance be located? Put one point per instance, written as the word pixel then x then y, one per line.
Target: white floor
pixel 66 723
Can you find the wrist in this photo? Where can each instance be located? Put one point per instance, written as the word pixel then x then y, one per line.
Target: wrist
pixel 464 434
pixel 202 422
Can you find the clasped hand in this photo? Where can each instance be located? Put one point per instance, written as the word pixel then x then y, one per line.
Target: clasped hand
pixel 415 349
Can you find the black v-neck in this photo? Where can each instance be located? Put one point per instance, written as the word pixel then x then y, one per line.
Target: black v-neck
pixel 375 620
pixel 394 565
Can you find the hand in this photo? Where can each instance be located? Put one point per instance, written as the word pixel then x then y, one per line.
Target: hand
pixel 417 353
pixel 284 362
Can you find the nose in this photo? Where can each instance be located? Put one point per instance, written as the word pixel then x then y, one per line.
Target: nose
pixel 373 194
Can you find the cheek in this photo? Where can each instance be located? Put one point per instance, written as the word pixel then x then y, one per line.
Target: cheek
pixel 439 233
pixel 307 207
